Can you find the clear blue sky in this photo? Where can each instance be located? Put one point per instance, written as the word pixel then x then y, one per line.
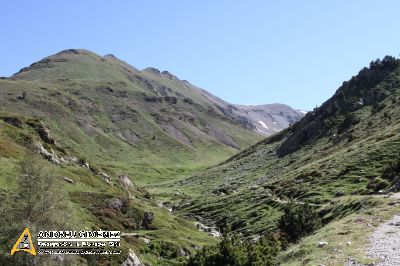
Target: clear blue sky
pixel 248 52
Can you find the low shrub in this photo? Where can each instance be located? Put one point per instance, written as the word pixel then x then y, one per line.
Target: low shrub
pixel 298 221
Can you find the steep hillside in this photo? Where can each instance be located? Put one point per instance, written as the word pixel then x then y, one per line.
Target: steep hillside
pixel 102 108
pixel 346 148
pixel 90 198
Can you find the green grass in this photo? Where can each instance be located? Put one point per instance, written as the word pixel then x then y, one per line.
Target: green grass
pixel 355 228
pixel 258 182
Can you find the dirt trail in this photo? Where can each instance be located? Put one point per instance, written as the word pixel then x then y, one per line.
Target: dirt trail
pixel 385 241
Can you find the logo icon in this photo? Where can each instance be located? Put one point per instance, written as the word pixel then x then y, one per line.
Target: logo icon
pixel 24 243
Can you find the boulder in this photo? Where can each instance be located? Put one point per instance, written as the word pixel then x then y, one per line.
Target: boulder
pixel 84 163
pixel 105 177
pixel 69 180
pixel 125 180
pixel 182 253
pixel 115 203
pixel 322 244
pixel 132 260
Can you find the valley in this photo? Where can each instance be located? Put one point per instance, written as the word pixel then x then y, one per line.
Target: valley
pixel 176 169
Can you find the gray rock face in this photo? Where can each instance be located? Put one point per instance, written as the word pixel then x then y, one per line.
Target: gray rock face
pixel 132 260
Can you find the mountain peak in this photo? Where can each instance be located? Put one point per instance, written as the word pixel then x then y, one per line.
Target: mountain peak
pixel 152 70
pixel 74 51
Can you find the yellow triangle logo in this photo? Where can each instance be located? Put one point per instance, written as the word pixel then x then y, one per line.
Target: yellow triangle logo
pixel 24 243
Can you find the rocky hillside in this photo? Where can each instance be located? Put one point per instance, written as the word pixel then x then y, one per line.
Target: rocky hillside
pixel 264 119
pixel 269 119
pixel 103 108
pixel 335 158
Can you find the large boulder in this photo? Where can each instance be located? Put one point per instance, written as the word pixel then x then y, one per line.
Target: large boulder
pixel 132 260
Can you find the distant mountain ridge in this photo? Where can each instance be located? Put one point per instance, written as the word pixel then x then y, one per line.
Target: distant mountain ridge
pixel 270 118
pixel 265 119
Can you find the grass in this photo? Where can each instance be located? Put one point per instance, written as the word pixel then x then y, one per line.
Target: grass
pixel 91 123
pixel 103 113
pixel 335 172
pixel 96 109
pixel 347 238
pixel 88 194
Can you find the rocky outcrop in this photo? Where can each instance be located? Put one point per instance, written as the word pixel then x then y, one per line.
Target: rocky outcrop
pixel 105 177
pixel 12 121
pixel 212 231
pixel 52 157
pixel 125 181
pixel 116 204
pixel 84 163
pixel 132 260
pixel 44 133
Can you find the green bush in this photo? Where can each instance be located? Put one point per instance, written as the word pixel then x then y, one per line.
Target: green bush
pixel 234 251
pixel 40 203
pixel 349 120
pixel 163 249
pixel 298 221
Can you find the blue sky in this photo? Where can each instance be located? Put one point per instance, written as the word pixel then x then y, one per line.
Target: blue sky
pixel 247 52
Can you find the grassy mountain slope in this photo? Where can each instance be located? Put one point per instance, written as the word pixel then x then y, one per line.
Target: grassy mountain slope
pixel 345 148
pixel 99 120
pixel 90 199
pixel 127 119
